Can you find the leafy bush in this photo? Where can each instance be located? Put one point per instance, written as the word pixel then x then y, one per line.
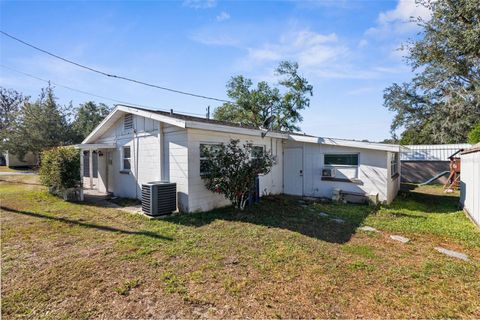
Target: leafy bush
pixel 474 134
pixel 231 171
pixel 60 168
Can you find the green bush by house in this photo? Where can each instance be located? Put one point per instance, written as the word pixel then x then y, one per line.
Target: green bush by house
pixel 60 169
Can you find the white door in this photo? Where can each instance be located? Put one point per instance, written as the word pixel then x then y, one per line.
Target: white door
pixel 109 171
pixel 293 171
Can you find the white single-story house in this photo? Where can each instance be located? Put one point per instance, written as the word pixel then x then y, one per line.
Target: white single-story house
pixel 11 160
pixel 470 182
pixel 136 145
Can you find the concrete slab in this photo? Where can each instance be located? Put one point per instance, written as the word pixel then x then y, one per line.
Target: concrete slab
pixel 399 238
pixel 453 254
pixel 368 229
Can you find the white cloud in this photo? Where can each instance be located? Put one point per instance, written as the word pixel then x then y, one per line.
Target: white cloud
pixel 199 4
pixel 223 16
pixel 400 19
pixel 306 47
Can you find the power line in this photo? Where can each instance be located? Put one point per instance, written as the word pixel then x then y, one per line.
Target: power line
pixel 89 93
pixel 112 75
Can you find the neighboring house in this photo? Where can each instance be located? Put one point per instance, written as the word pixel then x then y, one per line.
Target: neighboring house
pixel 422 162
pixel 11 160
pixel 470 182
pixel 136 145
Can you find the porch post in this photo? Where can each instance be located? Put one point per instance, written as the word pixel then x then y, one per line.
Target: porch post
pixel 90 167
pixel 81 175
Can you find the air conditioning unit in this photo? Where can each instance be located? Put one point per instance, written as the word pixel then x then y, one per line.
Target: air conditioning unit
pixel 159 198
pixel 328 172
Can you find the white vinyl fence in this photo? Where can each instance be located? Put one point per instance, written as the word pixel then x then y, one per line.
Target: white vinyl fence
pixel 470 182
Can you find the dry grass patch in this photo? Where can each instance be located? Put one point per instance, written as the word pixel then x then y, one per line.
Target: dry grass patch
pixel 277 259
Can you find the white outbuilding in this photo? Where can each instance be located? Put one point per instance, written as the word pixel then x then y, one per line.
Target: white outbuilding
pixel 470 182
pixel 133 146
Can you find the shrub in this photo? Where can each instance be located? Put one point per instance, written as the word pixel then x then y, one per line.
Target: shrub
pixel 474 134
pixel 60 168
pixel 231 171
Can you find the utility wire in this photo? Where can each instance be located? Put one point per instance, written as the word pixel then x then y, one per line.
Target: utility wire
pixel 112 75
pixel 89 93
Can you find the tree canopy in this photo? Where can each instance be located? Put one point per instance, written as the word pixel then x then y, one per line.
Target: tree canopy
pixel 441 104
pixel 88 116
pixel 254 105
pixel 27 126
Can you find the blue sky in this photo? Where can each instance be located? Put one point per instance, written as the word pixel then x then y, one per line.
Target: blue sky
pixel 348 50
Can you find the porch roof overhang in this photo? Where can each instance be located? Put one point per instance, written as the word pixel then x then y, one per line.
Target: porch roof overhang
pixel 95 146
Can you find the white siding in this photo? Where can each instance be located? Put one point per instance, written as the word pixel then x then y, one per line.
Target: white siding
pixel 393 183
pixel 200 198
pixel 470 184
pixel 372 171
pixel 145 156
pixel 430 152
pixel 176 163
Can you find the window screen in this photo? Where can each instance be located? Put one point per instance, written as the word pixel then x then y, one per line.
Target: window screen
pixel 341 159
pixel 256 152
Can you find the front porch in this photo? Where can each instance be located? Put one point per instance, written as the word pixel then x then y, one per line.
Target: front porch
pixel 95 163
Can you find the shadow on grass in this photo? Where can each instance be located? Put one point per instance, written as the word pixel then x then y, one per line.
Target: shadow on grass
pixel 87 225
pixel 426 202
pixel 292 214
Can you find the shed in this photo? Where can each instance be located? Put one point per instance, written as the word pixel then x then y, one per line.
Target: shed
pixel 470 182
pixel 424 161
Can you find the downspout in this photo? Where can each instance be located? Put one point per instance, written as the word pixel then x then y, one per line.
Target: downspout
pixel 135 161
pixel 160 149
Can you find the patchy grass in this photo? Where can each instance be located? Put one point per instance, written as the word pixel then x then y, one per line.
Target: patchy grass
pixel 277 259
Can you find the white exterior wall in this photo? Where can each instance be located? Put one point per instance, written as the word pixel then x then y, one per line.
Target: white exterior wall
pixel 372 171
pixel 470 184
pixel 30 159
pixel 200 198
pixel 175 150
pixel 393 185
pixel 145 157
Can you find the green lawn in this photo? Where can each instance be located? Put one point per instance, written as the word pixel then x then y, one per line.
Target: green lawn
pixel 279 259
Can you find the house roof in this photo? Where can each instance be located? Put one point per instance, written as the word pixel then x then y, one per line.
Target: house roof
pixel 187 121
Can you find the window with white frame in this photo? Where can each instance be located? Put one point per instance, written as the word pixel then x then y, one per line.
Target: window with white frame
pixel 126 158
pixel 394 165
pixel 128 121
pixel 206 149
pixel 257 152
pixel 346 159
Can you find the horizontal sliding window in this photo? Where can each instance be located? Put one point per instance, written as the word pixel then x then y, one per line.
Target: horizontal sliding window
pixel 341 159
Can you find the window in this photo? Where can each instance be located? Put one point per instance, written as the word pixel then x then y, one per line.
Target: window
pixel 128 121
pixel 205 150
pixel 341 159
pixel 126 157
pixel 394 165
pixel 256 152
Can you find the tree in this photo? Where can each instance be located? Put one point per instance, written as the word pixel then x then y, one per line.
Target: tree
pixel 253 106
pixel 10 105
pixel 87 117
pixel 231 170
pixel 474 134
pixel 441 104
pixel 40 125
